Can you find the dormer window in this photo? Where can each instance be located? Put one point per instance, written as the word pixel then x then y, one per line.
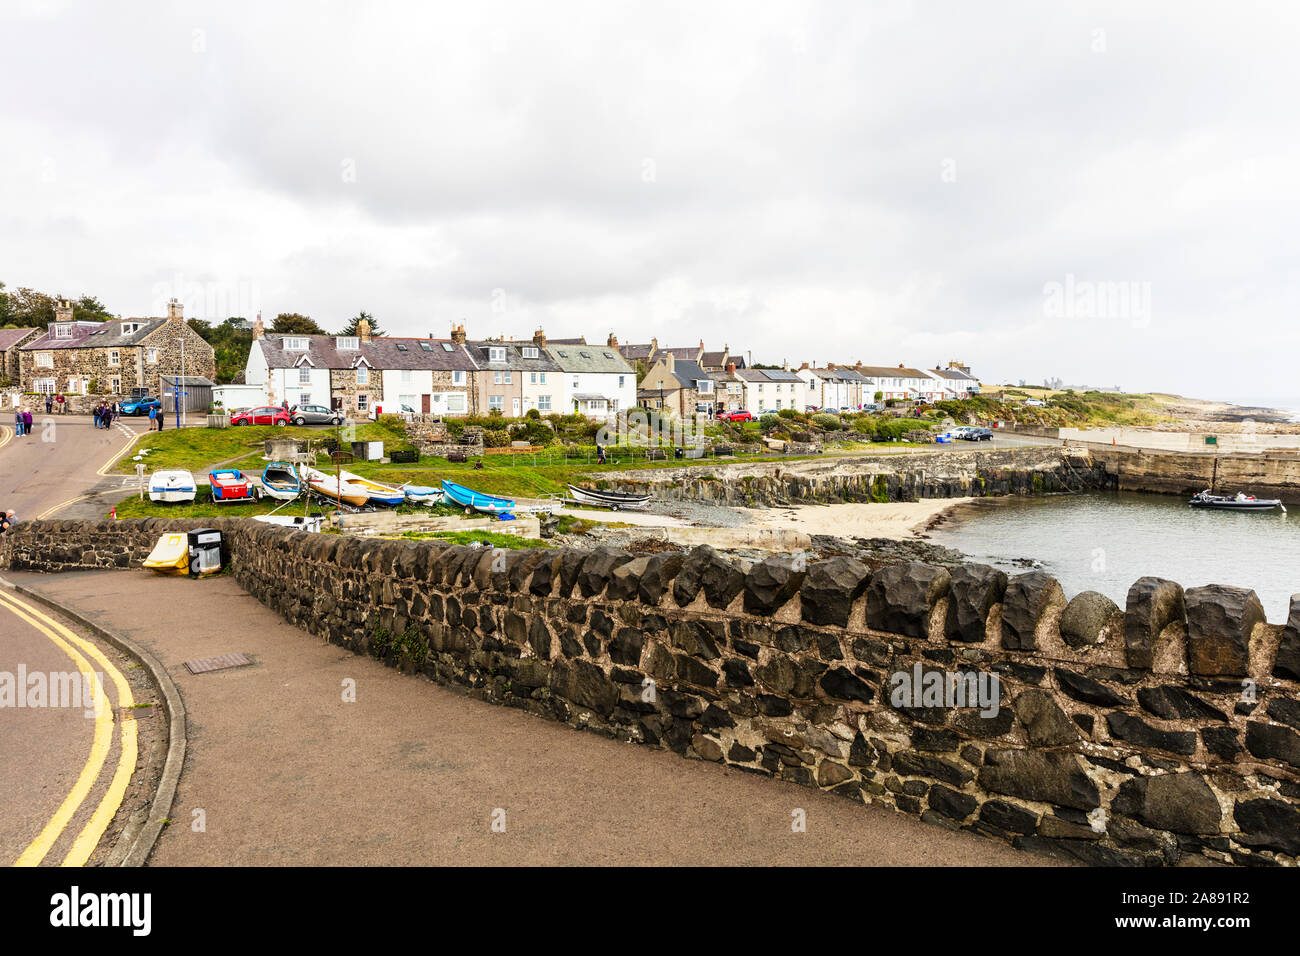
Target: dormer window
pixel 295 345
pixel 63 330
pixel 530 351
pixel 129 328
pixel 346 343
pixel 496 355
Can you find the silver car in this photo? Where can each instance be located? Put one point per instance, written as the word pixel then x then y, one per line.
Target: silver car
pixel 315 415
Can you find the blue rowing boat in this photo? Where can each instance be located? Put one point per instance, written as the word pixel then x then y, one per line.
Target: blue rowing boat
pixel 423 494
pixel 469 498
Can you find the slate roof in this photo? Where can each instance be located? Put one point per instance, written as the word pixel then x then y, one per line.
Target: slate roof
pixel 886 371
pixel 688 373
pixel 514 359
pixel 95 335
pixel 589 358
pixel 379 353
pixel 10 336
pixel 954 374
pixel 634 352
pixel 767 375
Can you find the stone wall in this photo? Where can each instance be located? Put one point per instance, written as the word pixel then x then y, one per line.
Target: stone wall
pixel 895 477
pixel 1140 735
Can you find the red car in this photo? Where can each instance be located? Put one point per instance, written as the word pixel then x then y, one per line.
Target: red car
pixel 736 417
pixel 266 415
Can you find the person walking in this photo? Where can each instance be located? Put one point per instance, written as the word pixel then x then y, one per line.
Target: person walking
pixel 18 421
pixel 117 412
pixel 59 400
pixel 153 417
pixel 27 422
pixel 7 520
pixel 49 404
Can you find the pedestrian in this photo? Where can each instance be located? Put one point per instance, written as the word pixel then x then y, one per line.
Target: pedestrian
pixel 600 453
pixel 153 417
pixel 117 411
pixel 58 400
pixel 49 404
pixel 161 422
pixel 27 422
pixel 7 520
pixel 18 422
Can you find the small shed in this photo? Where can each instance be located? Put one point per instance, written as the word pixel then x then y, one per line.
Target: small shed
pixel 194 393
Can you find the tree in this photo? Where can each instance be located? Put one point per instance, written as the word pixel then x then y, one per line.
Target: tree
pixel 351 327
pixel 88 308
pixel 230 346
pixel 29 308
pixel 294 323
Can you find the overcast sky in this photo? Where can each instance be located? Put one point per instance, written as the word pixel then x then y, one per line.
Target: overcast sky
pixel 1101 192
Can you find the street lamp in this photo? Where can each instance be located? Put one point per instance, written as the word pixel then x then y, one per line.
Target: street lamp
pixel 180 385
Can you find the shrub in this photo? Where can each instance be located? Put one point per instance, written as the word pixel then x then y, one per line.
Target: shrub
pixel 534 414
pixel 826 421
pixel 496 438
pixel 787 412
pixel 769 421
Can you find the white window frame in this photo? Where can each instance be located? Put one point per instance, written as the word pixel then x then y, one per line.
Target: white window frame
pixel 46 386
pixel 304 374
pixel 496 354
pixel 530 351
pixel 114 357
pixel 497 401
pixel 458 378
pixel 347 343
pixel 543 403
pixel 363 375
pixel 152 357
pixel 508 374
pixel 456 402
pixel 496 377
pixel 45 360
pixel 363 402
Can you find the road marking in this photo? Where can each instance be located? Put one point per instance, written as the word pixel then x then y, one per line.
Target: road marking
pixel 93 831
pixel 5 435
pixel 99 748
pixel 62 505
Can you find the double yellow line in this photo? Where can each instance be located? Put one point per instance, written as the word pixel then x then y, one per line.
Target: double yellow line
pixel 102 471
pixel 78 650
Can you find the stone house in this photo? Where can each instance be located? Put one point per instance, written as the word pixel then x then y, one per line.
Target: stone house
pixel 514 377
pixel 10 341
pixel 115 357
pixel 678 386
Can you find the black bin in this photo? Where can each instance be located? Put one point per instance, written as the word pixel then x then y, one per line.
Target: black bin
pixel 205 551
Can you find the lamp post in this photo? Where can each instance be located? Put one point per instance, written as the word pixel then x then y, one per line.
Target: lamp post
pixel 179 390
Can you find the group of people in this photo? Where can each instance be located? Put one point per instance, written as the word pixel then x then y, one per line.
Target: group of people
pixel 7 520
pixel 51 401
pixel 106 414
pixel 22 422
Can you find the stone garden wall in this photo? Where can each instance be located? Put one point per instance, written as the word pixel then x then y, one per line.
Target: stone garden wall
pixel 1140 735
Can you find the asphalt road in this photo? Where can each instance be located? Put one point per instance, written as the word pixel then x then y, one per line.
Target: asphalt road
pixel 282 770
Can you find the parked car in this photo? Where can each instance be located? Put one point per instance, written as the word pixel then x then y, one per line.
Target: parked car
pixel 1036 402
pixel 315 415
pixel 265 415
pixel 140 406
pixel 735 417
pixel 978 434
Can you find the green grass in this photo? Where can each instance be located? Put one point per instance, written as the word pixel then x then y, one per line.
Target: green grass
pixel 196 449
pixel 493 538
pixel 203 507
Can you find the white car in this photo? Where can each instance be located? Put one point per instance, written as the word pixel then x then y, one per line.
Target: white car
pixel 1036 402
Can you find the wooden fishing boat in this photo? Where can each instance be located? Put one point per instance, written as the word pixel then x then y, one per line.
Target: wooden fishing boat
pixel 172 485
pixel 280 480
pixel 230 485
pixel 327 486
pixel 377 492
pixel 469 498
pixel 1239 502
pixel 608 499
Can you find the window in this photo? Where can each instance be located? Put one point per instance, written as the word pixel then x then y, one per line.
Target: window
pixel 496 354
pixel 455 401
pixel 530 351
pixel 778 403
pixel 363 402
pixel 458 378
pixel 542 380
pixel 575 381
pixel 561 354
pixel 496 378
pixel 363 375
pixel 44 385
pixel 45 360
pixel 295 344
pixel 543 403
pixel 113 357
pixel 585 354
pixel 532 378
pixel 153 356
pixel 63 331
pixel 406 376
pixel 609 355
pixel 117 386
pixel 704 386
pixel 620 380
pixel 496 401
pixel 346 343
pixel 304 374
pixel 128 328
pixel 401 347
pixel 446 347
pixel 507 376
pixel 426 346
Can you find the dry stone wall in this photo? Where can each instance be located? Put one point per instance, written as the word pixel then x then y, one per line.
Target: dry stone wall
pixel 1137 735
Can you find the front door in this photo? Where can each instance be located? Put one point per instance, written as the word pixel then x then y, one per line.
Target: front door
pixel 514 407
pixel 424 403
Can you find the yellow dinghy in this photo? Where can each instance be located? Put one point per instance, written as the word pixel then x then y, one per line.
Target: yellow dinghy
pixel 171 555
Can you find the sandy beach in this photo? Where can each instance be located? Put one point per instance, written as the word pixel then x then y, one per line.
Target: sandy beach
pixel 898 519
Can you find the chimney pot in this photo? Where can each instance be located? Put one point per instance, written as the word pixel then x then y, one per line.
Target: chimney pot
pixel 363 331
pixel 539 338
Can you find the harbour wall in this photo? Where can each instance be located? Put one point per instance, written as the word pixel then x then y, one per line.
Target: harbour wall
pixel 1142 735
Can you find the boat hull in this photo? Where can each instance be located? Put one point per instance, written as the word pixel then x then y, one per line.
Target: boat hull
pixel 1257 505
pixel 343 492
pixel 229 487
pixel 280 481
pixel 469 498
pixel 172 487
pixel 377 492
pixel 608 499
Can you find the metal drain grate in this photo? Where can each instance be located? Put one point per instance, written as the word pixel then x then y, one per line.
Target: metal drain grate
pixel 204 665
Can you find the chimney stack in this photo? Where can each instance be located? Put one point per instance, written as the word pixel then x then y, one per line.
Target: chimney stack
pixel 539 338
pixel 63 311
pixel 258 329
pixel 830 366
pixel 803 366
pixel 458 334
pixel 671 361
pixel 174 310
pixel 612 341
pixel 731 368
pixel 363 331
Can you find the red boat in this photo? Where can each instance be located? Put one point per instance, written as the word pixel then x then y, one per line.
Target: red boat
pixel 229 485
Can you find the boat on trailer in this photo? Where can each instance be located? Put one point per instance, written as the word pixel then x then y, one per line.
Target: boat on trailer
pixel 337 489
pixel 608 499
pixel 230 485
pixel 280 480
pixel 469 498
pixel 1238 502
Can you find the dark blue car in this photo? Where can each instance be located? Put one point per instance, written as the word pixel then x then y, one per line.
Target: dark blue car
pixel 140 406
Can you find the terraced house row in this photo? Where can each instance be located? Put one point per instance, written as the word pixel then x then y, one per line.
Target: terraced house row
pixel 362 375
